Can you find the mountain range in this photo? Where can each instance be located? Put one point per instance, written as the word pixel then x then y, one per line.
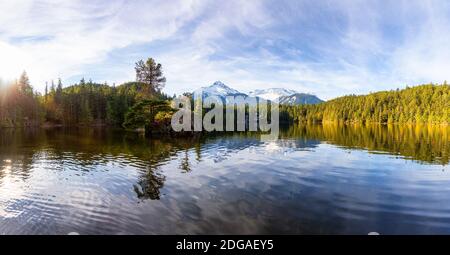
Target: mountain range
pixel 283 96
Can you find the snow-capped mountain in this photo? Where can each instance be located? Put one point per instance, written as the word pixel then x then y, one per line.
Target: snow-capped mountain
pixel 283 96
pixel 271 94
pixel 300 98
pixel 218 88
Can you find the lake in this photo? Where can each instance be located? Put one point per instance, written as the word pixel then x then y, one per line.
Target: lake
pixel 316 179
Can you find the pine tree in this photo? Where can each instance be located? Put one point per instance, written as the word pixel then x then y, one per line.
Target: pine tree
pixel 52 88
pixel 24 84
pixel 150 73
pixel 46 92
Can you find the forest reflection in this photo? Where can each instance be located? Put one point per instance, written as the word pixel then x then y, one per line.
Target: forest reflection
pixel 423 143
pixel 84 149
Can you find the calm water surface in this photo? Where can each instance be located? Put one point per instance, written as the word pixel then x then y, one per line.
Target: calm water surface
pixel 314 179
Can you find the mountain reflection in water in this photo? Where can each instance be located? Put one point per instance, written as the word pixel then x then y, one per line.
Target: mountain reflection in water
pixel 315 179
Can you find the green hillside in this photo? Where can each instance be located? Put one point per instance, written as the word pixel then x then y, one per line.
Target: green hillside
pixel 421 104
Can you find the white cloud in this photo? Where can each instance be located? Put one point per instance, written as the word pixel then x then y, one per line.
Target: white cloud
pixel 53 39
pixel 328 48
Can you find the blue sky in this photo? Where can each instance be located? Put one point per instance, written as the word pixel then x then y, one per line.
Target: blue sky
pixel 328 48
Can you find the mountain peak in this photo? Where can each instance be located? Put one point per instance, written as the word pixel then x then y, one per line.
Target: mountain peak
pixel 218 88
pixel 283 96
pixel 272 94
pixel 300 98
pixel 219 84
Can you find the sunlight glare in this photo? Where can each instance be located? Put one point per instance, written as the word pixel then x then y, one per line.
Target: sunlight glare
pixel 12 62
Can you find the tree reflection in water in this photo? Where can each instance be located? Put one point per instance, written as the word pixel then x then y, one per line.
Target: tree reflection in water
pixel 423 143
pixel 89 147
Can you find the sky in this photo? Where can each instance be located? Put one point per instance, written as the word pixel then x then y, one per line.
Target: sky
pixel 327 48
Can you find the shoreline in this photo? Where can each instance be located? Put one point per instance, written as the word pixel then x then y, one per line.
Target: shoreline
pixel 282 124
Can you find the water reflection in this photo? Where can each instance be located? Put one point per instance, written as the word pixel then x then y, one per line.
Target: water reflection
pixel 424 143
pixel 314 179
